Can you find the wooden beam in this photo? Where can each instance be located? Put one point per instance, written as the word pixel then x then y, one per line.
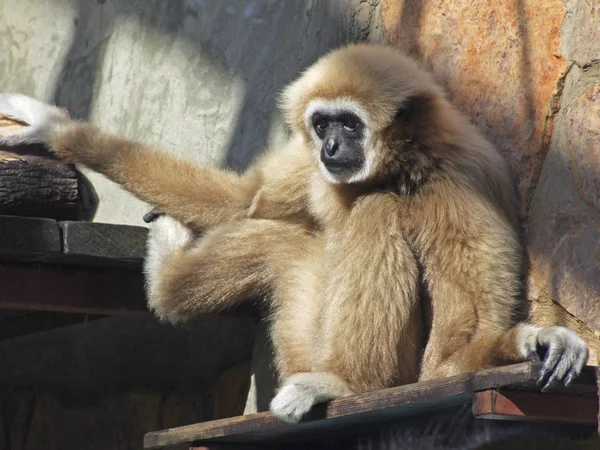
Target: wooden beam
pixel 89 244
pixel 534 406
pixel 348 413
pixel 29 239
pixel 103 244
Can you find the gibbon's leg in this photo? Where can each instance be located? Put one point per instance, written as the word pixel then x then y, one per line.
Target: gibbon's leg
pixel 296 307
pixel 166 237
pixel 371 331
pixel 229 264
pixel 473 279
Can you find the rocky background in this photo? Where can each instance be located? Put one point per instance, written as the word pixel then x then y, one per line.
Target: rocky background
pixel 199 79
pixel 528 74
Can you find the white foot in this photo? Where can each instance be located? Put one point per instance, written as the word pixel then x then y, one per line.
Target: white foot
pixel 301 391
pixel 166 237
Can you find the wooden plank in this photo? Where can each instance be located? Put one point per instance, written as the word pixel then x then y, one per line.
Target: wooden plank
pixel 103 244
pixel 27 238
pixel 398 402
pixel 534 406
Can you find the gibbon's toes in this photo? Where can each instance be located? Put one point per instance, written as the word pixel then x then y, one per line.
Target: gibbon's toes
pixel 566 355
pixel 292 402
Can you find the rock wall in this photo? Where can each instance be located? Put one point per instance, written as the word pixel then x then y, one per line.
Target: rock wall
pixel 528 74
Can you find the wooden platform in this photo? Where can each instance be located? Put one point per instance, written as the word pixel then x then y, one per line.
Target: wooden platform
pixel 76 267
pixel 509 393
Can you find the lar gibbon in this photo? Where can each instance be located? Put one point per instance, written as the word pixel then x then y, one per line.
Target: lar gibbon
pixel 385 233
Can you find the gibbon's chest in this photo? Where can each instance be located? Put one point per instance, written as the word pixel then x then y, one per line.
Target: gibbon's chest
pixel 341 209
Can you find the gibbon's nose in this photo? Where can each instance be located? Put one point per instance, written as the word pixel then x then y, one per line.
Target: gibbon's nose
pixel 331 147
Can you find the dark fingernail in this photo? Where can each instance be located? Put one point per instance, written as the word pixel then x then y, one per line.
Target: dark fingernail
pixel 568 380
pixel 541 376
pixel 151 216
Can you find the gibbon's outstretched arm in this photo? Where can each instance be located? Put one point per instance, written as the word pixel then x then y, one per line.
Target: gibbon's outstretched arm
pixel 196 196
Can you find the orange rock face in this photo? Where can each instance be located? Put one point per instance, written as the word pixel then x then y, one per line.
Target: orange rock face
pixel 501 63
pixel 528 74
pixel 583 138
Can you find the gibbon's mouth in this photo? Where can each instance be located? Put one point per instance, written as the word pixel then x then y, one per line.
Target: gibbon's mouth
pixel 338 169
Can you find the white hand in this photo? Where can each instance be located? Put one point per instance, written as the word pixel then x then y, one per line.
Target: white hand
pixel 37 115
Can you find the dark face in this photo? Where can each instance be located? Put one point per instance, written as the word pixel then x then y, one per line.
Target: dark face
pixel 341 134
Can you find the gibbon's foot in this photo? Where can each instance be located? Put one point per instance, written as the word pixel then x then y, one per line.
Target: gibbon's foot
pixel 301 391
pixel 292 402
pixel 565 353
pixel 165 237
pixel 38 116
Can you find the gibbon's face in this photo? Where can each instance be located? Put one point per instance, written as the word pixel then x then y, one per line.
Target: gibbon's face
pixel 366 111
pixel 339 133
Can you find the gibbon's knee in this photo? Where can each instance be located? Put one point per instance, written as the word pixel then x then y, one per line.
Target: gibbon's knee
pixel 301 391
pixel 166 237
pixel 231 263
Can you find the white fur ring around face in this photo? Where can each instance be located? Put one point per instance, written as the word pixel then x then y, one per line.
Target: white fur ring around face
pixel 31 112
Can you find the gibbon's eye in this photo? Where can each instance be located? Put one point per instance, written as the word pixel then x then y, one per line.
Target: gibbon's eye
pixel 350 123
pixel 404 110
pixel 321 124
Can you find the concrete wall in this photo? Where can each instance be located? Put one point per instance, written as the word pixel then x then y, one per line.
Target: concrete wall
pixel 194 77
pixel 197 78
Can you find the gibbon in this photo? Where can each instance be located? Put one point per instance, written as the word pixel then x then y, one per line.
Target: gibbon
pixel 385 232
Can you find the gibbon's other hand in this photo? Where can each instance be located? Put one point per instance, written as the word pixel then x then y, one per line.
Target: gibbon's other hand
pixel 152 215
pixel 565 354
pixel 36 115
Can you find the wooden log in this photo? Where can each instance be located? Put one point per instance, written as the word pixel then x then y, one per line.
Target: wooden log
pixel 534 406
pixel 32 185
pixel 396 404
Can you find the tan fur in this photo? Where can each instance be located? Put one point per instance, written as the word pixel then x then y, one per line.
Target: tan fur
pixel 411 273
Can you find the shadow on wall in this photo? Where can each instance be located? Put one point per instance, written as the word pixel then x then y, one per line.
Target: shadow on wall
pixel 258 41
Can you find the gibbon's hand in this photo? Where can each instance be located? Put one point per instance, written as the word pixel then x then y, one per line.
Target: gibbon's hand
pixel 565 354
pixel 36 115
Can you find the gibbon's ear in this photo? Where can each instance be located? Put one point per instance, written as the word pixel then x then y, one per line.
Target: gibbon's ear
pixel 405 110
